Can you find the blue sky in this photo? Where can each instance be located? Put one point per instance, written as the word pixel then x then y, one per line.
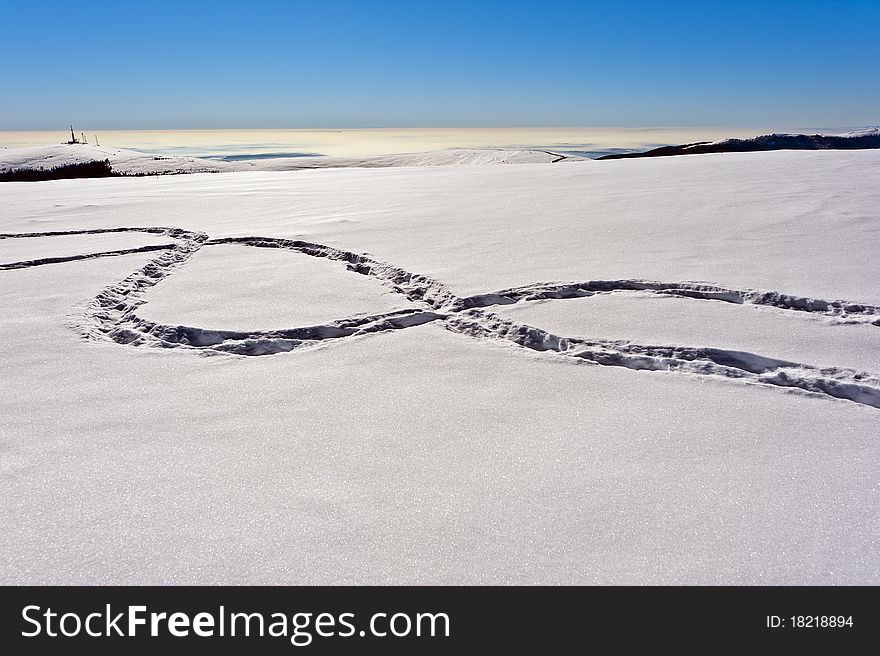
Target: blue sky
pixel 329 63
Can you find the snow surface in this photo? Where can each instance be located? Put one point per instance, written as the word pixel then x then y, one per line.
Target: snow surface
pixel 449 444
pixel 801 223
pixel 238 288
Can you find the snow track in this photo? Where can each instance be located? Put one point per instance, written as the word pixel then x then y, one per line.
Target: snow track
pixel 86 256
pixel 111 315
pixel 851 311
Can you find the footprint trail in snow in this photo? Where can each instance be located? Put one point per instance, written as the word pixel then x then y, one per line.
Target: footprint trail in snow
pixel 112 315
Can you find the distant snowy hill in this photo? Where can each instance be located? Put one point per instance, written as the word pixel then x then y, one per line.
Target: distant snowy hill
pixel 128 162
pixel 131 162
pixel 434 158
pixel 856 140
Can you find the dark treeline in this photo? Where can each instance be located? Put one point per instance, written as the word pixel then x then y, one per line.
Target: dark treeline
pixel 765 142
pixel 99 169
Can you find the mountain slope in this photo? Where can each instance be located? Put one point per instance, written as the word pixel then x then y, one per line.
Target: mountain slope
pixel 857 140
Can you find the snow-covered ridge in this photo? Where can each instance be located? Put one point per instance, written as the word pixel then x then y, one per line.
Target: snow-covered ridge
pixel 864 138
pixel 131 162
pixel 854 140
pixel 433 158
pixel 866 132
pixel 122 160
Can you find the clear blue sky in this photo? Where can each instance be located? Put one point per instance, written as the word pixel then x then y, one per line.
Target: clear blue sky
pixel 330 63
